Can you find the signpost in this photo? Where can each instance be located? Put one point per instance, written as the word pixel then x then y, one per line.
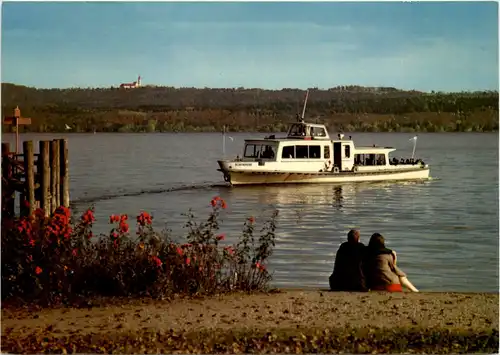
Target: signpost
pixel 17 120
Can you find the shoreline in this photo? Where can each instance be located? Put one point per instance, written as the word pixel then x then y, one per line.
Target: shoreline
pixel 250 132
pixel 284 320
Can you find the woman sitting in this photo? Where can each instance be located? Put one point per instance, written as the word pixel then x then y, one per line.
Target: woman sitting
pixel 380 270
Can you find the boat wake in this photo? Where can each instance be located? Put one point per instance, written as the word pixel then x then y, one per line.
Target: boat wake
pixel 93 199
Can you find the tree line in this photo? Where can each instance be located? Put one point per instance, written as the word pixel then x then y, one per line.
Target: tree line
pixel 168 109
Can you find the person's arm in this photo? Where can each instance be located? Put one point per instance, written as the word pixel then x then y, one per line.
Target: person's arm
pixel 406 283
pixel 394 257
pixel 403 279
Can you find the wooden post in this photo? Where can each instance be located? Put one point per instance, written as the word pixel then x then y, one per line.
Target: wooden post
pixel 29 171
pixel 53 176
pixel 8 193
pixel 58 174
pixel 44 173
pixel 64 175
pixel 17 120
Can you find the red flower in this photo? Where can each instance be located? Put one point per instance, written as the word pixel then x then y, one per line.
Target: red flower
pixel 74 252
pixel 38 270
pixel 88 217
pixel 229 250
pixel 123 218
pixel 157 261
pixel 24 226
pixel 39 213
pixel 26 203
pixel 114 218
pixel 220 237
pixel 188 261
pixel 114 235
pixel 144 219
pixel 124 228
pixel 63 213
pixel 251 219
pixel 32 242
pixel 217 201
pixel 260 266
pixel 179 251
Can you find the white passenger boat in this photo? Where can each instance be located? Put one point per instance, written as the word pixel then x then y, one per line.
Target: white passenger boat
pixel 308 155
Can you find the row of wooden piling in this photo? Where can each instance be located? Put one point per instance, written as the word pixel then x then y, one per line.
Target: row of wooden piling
pixel 42 179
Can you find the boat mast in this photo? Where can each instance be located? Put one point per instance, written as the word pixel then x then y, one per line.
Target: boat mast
pixel 224 141
pixel 305 104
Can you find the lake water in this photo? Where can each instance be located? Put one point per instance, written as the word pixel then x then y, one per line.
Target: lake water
pixel 445 230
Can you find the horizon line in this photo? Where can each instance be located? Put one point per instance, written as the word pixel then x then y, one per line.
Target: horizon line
pixel 246 88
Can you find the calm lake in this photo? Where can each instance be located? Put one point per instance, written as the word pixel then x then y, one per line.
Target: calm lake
pixel 445 230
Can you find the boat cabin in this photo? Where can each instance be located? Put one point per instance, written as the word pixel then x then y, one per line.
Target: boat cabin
pixel 302 130
pixel 308 147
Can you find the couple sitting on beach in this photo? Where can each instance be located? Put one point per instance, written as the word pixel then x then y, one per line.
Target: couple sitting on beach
pixel 362 268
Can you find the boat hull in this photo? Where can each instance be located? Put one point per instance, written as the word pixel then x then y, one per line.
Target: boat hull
pixel 264 178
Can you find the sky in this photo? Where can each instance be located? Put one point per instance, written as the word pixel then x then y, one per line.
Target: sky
pixel 441 46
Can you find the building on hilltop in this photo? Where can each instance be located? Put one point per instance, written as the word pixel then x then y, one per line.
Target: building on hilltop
pixel 133 85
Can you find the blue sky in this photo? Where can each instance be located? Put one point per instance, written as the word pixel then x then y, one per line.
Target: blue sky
pixel 413 45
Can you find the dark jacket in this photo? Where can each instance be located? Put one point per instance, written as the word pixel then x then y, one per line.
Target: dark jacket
pixel 347 272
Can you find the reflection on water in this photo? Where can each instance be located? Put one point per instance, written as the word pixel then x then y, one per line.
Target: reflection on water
pixel 314 221
pixel 444 230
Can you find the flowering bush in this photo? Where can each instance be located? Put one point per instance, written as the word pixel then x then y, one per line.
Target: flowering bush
pixel 53 259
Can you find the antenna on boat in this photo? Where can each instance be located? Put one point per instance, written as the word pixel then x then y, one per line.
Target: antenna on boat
pixel 224 141
pixel 414 139
pixel 305 104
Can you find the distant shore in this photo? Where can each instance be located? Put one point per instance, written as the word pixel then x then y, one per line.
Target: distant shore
pixel 286 321
pixel 201 130
pixel 166 109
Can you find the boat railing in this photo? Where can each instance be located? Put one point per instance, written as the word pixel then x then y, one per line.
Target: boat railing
pixel 408 161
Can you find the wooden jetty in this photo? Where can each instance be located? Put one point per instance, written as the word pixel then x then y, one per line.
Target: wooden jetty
pixel 41 179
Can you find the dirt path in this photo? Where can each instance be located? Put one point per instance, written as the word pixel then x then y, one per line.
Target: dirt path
pixel 459 312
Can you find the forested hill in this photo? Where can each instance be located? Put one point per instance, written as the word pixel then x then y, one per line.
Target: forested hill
pixel 347 108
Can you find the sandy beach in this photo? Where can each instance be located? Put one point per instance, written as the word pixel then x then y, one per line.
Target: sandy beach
pixel 281 321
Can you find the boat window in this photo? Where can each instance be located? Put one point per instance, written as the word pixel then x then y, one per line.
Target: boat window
pixel 369 159
pixel 250 151
pixel 288 152
pixel 268 152
pixel 301 152
pixel 318 132
pixel 347 151
pixel 314 151
pixel 380 159
pixel 326 152
pixel 297 130
pixel 259 151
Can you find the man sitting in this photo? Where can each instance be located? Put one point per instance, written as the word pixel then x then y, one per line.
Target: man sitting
pixel 347 273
